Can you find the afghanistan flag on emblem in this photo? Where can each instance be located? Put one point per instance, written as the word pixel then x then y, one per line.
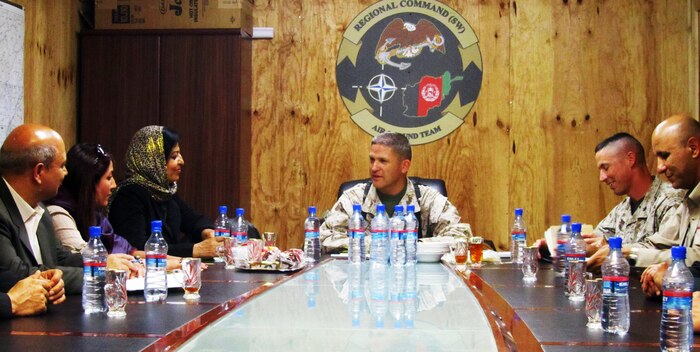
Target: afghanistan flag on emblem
pixel 429 93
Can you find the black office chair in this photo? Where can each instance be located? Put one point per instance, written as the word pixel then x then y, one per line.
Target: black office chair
pixel 435 183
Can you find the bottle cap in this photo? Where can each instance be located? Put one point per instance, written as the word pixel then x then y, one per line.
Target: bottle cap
pixel 356 207
pixel 312 209
pixel 95 231
pixel 398 209
pixel 223 209
pixel 156 226
pixel 381 208
pixel 411 208
pixel 518 211
pixel 615 242
pixel 240 211
pixel 576 227
pixel 678 252
pixel 565 218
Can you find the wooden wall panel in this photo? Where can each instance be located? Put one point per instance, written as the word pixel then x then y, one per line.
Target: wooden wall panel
pixel 558 77
pixel 51 64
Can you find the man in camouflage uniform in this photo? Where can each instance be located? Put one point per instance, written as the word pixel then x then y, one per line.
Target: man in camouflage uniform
pixel 649 205
pixel 390 158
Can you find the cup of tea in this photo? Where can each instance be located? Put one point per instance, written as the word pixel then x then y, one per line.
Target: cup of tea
pixel 460 252
pixel 476 250
pixel 191 277
pixel 115 292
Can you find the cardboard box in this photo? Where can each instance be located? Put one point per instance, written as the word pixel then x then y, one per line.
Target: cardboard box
pixel 174 14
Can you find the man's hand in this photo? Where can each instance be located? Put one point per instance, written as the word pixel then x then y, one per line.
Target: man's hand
pixel 596 260
pixel 125 262
pixel 593 242
pixel 57 293
pixel 696 311
pixel 652 278
pixel 207 248
pixel 28 296
pixel 207 233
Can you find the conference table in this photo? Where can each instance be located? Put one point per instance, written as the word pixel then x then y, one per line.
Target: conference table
pixel 333 305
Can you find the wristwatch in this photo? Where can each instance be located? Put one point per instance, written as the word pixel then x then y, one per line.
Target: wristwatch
pixel 632 257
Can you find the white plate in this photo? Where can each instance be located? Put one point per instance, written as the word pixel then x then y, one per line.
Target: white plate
pixel 174 280
pixel 429 257
pixel 433 247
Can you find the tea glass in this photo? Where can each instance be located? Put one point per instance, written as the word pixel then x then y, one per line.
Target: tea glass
pixel 191 277
pixel 530 264
pixel 115 292
pixel 476 251
pixel 594 301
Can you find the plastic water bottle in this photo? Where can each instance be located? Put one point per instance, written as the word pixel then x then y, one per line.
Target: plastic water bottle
pixel 676 314
pixel 575 250
pixel 239 227
pixel 156 285
pixel 378 293
pixel 94 265
pixel 398 237
pixel 356 238
pixel 518 235
pixel 379 228
pixel 615 316
pixel 222 228
pixel 410 296
pixel 312 242
pixel 411 235
pixel 563 237
pixel 356 278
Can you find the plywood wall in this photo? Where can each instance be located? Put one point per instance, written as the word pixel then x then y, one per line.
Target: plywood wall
pixel 51 64
pixel 558 77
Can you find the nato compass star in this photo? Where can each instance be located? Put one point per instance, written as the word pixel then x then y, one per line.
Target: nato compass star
pixel 381 88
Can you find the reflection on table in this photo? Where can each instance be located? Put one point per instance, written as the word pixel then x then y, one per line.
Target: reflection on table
pixel 349 307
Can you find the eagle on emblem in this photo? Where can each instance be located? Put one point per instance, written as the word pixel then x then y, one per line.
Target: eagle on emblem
pixel 405 40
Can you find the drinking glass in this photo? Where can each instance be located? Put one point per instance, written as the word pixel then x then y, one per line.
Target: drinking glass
pixel 577 280
pixel 530 264
pixel 115 292
pixel 460 252
pixel 270 239
pixel 476 250
pixel 594 301
pixel 228 248
pixel 191 277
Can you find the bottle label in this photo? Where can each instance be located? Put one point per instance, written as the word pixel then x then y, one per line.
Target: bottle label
pixel 379 234
pixel 680 300
pixel 518 236
pixel 615 285
pixel 411 234
pixel 156 261
pixel 357 233
pixel 403 234
pixel 94 269
pixel 222 233
pixel 561 247
pixel 575 257
pixel 311 234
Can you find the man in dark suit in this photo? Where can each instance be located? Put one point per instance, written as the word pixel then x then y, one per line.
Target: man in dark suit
pixel 32 166
pixel 27 296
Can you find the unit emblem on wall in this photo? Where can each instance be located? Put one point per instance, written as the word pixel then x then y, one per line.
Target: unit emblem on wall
pixel 409 66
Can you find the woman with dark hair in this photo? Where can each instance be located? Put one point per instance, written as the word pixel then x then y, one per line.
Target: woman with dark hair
pixel 154 163
pixel 82 200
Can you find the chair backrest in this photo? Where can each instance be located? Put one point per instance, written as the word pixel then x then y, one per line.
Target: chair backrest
pixel 435 183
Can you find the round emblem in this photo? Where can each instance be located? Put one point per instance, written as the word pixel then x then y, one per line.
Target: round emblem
pixel 409 66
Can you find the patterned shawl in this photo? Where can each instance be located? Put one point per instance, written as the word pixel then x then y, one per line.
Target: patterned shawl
pixel 146 165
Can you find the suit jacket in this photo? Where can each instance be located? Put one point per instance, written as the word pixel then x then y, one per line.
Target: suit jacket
pixel 15 251
pixel 7 280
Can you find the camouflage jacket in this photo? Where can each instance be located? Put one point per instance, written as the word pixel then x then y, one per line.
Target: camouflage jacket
pixel 652 214
pixel 435 211
pixel 682 229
